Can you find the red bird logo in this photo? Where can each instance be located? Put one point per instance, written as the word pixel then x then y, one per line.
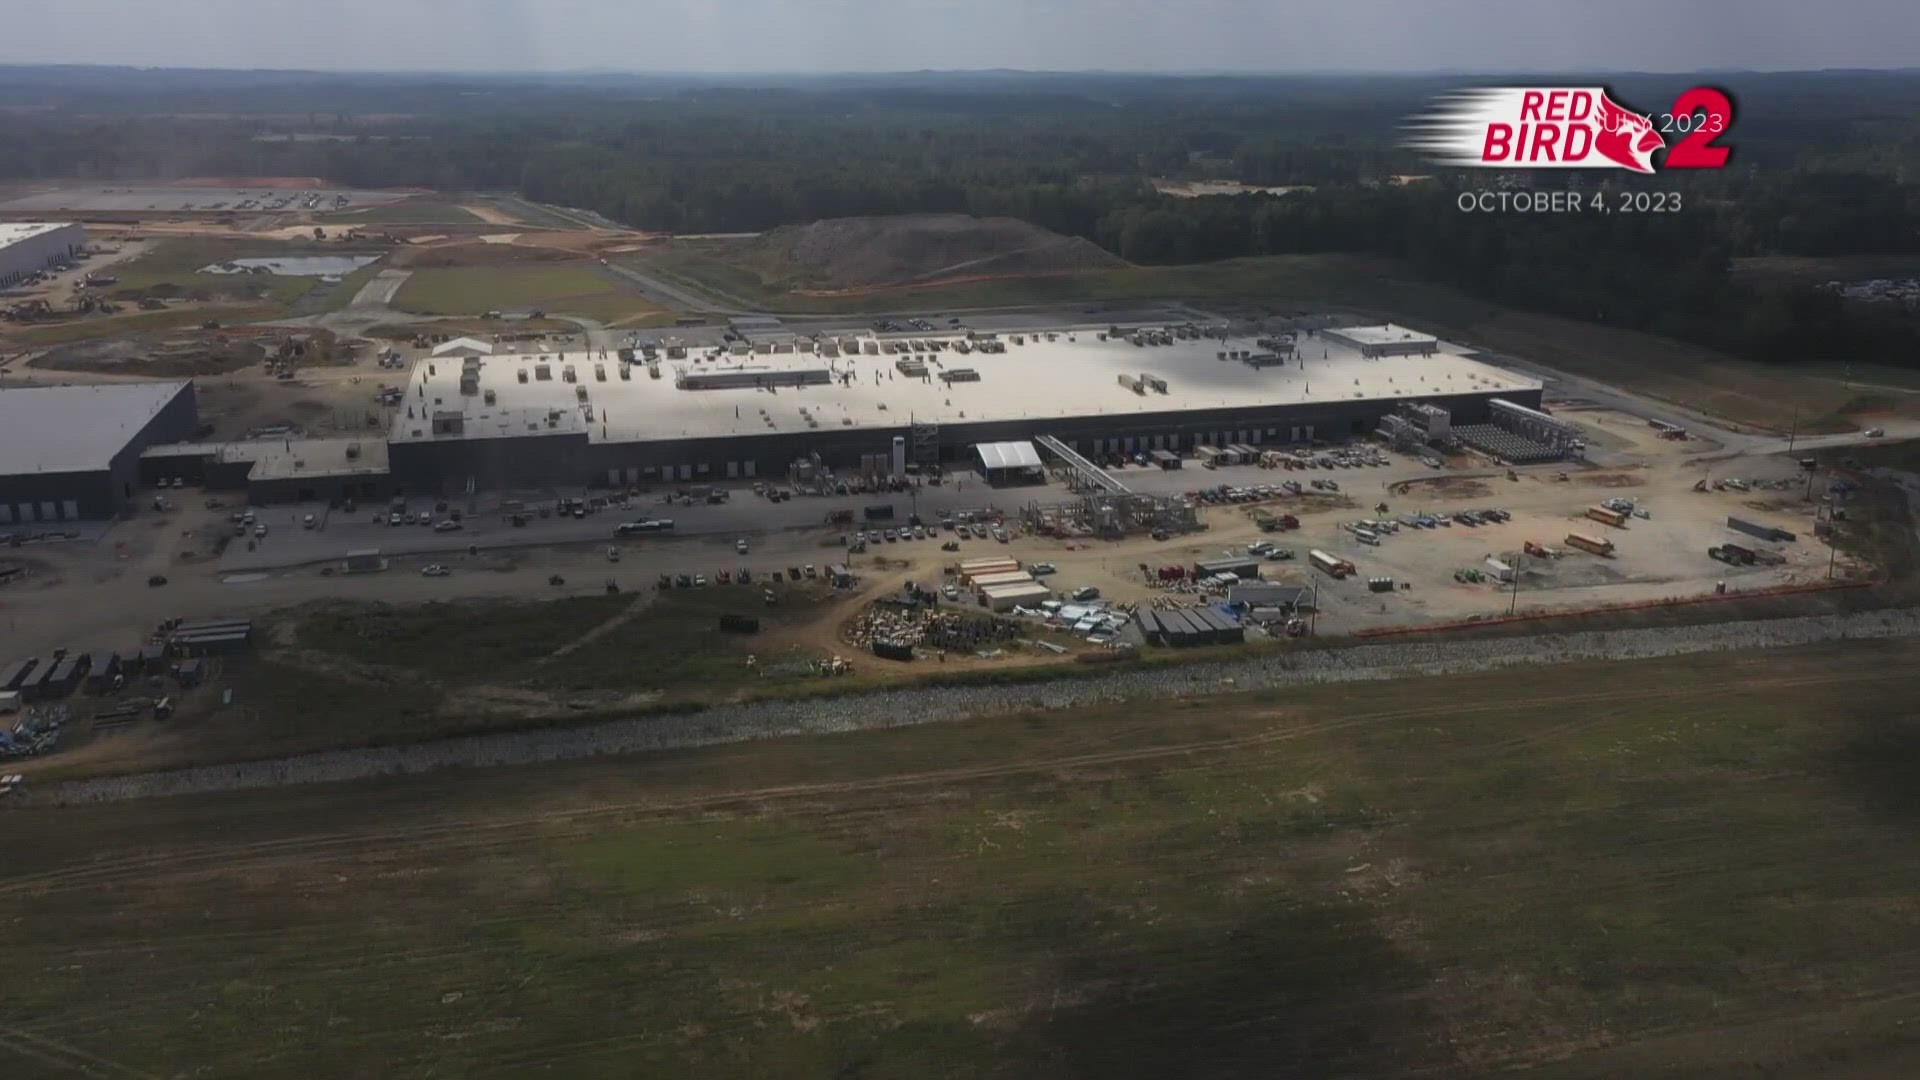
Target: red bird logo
pixel 1625 137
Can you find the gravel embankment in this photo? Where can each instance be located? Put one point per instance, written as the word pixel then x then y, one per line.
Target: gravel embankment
pixel 903 707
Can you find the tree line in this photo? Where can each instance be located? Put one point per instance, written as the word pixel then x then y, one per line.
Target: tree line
pixel 1821 171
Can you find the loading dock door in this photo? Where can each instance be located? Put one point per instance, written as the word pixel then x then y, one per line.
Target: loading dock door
pixel 71 510
pixel 48 512
pixel 6 514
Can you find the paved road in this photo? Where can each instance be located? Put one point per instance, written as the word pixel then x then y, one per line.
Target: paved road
pixel 922 705
pixel 673 295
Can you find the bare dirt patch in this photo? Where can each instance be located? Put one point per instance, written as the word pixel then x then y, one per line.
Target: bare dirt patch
pixel 1611 479
pixel 1457 487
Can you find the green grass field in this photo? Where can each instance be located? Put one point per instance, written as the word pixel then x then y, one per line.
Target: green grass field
pixel 405 212
pixel 571 290
pixel 1690 868
pixel 1823 398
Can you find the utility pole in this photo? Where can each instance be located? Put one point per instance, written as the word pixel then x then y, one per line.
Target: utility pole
pixel 1833 549
pixel 1313 617
pixel 1793 428
pixel 1514 604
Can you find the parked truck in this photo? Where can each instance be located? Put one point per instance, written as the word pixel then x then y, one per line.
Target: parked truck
pixel 1606 516
pixel 1597 546
pixel 1332 565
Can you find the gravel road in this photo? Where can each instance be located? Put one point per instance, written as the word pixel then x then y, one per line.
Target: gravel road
pixel 903 707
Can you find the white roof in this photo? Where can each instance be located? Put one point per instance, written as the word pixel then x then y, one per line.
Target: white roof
pixel 1037 381
pixel 1015 590
pixel 75 428
pixel 1008 455
pixel 475 344
pixel 1383 334
pixel 12 232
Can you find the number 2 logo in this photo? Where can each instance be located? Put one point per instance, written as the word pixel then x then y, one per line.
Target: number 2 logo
pixel 1697 150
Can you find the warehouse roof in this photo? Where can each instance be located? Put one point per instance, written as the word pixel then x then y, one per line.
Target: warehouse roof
pixel 12 232
pixel 75 428
pixel 1008 455
pixel 1383 334
pixel 1040 380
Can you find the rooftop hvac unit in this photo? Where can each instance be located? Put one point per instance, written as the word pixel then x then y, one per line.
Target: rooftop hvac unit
pixel 1156 382
pixel 600 373
pixel 567 373
pixel 954 375
pixel 543 372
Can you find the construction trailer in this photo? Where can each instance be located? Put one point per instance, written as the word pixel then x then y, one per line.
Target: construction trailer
pixel 1238 567
pixel 1012 595
pixel 999 577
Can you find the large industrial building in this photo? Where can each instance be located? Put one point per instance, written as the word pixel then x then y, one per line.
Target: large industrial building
pixel 687 413
pixel 72 453
pixel 34 245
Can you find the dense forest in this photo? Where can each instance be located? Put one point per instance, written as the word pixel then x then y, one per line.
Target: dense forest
pixel 1822 168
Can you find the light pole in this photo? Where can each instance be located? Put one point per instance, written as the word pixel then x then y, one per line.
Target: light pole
pixel 1793 428
pixel 1514 604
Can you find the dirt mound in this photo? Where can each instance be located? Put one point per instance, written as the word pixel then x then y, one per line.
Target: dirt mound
pixel 865 252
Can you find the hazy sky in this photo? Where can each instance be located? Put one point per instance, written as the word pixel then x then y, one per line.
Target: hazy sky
pixel 900 35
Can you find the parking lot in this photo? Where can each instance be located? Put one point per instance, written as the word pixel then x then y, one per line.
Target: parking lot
pixel 90 586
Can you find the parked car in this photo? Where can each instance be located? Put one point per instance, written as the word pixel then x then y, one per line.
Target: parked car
pixel 740 545
pixel 1087 593
pixel 448 526
pixel 157 580
pixel 1041 569
pixel 435 570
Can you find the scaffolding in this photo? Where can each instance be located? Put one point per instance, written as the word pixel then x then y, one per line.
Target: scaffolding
pixel 923 445
pixel 1112 515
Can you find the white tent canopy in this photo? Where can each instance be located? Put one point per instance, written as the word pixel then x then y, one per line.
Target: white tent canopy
pixel 464 346
pixel 1007 455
